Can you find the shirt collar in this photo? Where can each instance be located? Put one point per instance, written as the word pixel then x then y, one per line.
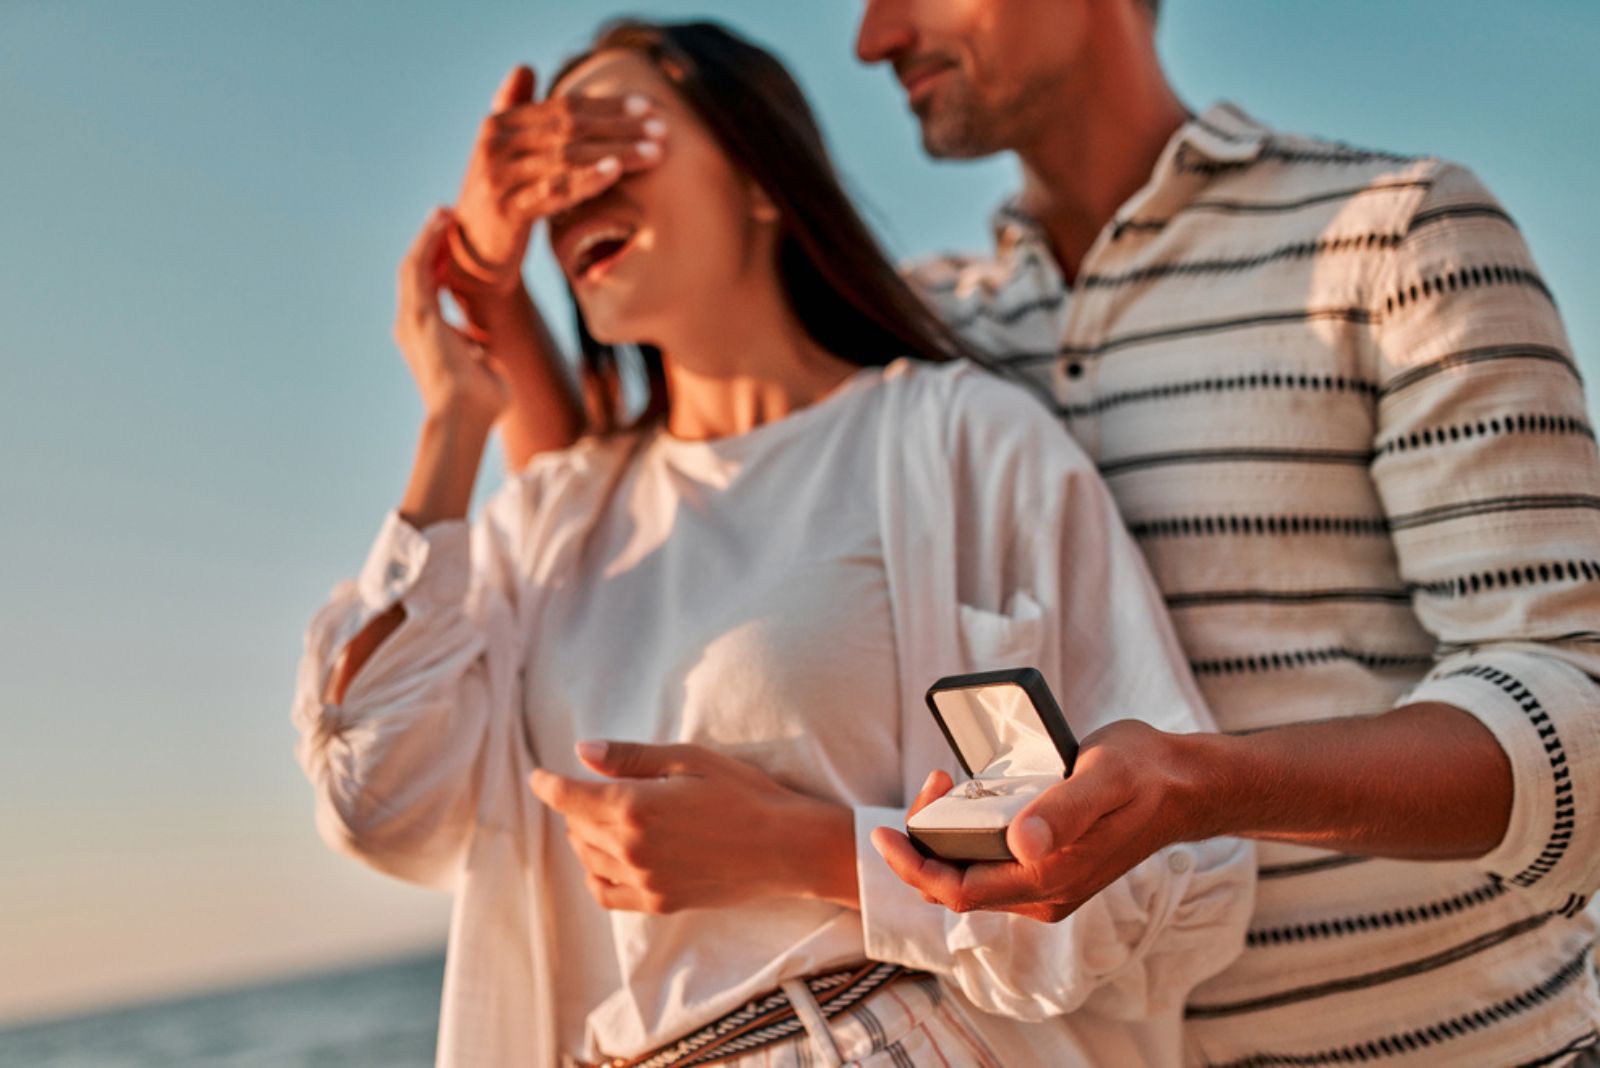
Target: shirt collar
pixel 1223 133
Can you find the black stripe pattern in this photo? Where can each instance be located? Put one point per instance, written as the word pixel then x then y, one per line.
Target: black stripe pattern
pixel 1204 526
pixel 1344 457
pixel 1444 513
pixel 1467 357
pixel 1520 423
pixel 1513 578
pixel 1336 927
pixel 1295 659
pixel 1434 1034
pixel 1298 250
pixel 1309 867
pixel 1561 830
pixel 1260 207
pixel 1254 380
pixel 1332 154
pixel 1493 274
pixel 1434 961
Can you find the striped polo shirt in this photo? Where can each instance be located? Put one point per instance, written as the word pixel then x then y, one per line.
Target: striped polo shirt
pixel 1335 403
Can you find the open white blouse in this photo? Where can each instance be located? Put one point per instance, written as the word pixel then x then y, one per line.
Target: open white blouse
pixel 785 597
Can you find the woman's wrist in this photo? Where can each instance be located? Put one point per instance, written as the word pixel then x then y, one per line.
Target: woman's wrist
pixel 449 450
pixel 814 851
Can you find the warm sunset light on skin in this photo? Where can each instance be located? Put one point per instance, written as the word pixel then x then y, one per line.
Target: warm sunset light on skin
pixel 206 410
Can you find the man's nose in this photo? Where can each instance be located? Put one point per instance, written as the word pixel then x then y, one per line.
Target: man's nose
pixel 885 31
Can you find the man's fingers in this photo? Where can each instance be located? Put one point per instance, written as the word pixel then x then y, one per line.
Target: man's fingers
pixel 634 760
pixel 518 88
pixel 936 786
pixel 584 144
pixel 560 191
pixel 570 110
pixel 538 167
pixel 939 882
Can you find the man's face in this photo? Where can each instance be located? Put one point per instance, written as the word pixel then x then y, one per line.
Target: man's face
pixel 981 75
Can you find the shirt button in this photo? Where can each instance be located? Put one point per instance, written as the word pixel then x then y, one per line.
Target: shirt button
pixel 1074 369
pixel 1180 862
pixel 396 571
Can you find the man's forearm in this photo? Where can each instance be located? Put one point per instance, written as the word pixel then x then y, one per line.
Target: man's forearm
pixel 545 412
pixel 1420 782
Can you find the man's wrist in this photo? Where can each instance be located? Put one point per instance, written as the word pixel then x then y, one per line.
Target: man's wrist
pixel 1204 772
pixel 479 285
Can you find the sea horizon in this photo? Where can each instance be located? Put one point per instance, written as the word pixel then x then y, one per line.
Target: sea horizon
pixel 374 1013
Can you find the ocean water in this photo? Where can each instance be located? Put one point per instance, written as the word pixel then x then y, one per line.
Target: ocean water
pixel 384 1015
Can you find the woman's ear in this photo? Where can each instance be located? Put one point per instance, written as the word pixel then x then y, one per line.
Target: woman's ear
pixel 762 209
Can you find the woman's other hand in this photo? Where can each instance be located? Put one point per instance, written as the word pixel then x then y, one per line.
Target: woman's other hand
pixel 682 826
pixel 535 158
pixel 455 375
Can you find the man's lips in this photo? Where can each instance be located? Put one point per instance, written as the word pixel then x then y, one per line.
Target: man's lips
pixel 919 79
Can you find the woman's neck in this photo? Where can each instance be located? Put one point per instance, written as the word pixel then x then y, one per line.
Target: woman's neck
pixel 755 364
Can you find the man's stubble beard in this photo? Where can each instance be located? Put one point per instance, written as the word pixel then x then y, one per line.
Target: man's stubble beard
pixel 962 127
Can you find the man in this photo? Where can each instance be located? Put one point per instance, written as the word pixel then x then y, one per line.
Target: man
pixel 1335 403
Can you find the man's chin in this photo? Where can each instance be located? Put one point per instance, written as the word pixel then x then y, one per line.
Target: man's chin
pixel 947 144
pixel 955 136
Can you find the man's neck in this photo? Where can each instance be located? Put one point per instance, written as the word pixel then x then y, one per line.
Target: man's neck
pixel 1079 170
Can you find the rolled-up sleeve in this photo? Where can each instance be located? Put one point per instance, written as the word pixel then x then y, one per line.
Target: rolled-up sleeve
pixel 395 765
pixel 1487 469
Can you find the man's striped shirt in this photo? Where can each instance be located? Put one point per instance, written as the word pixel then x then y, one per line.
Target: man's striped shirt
pixel 1334 400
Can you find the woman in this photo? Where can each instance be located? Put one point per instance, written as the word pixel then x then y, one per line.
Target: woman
pixel 812 520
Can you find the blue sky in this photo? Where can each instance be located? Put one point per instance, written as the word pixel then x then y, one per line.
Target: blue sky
pixel 204 201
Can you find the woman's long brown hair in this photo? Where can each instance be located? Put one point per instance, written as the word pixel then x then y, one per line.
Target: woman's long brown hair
pixel 842 287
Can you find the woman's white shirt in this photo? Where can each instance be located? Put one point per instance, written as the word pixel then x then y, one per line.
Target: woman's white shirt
pixel 731 593
pixel 741 594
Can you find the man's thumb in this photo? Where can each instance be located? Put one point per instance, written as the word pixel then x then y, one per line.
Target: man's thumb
pixel 516 89
pixel 1056 818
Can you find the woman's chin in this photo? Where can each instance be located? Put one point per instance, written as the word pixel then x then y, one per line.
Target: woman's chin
pixel 612 326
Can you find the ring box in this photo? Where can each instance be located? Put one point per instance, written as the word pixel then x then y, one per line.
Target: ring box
pixel 1009 734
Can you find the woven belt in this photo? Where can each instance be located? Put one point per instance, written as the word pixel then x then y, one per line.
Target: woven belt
pixel 765 1020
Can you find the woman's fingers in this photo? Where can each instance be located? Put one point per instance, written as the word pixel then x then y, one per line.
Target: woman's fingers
pixel 602 865
pixel 419 278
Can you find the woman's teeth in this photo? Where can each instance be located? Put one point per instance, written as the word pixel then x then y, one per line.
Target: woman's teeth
pixel 598 246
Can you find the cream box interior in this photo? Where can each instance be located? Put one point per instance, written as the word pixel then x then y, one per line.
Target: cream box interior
pixel 1009 734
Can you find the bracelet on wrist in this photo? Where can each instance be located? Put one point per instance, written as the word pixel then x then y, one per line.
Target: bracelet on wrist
pixel 468 265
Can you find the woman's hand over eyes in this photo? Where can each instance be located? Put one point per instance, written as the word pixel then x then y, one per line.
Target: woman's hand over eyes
pixel 682 826
pixel 535 158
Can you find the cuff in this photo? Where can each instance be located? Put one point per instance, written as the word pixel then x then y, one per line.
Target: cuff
pixel 425 568
pixel 897 925
pixel 1520 700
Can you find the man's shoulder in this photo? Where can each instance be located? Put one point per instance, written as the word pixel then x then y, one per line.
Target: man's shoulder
pixel 1377 187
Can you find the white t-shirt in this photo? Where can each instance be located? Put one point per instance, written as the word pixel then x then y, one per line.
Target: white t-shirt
pixel 992 543
pixel 731 594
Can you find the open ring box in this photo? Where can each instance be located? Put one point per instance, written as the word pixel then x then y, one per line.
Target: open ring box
pixel 1009 734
